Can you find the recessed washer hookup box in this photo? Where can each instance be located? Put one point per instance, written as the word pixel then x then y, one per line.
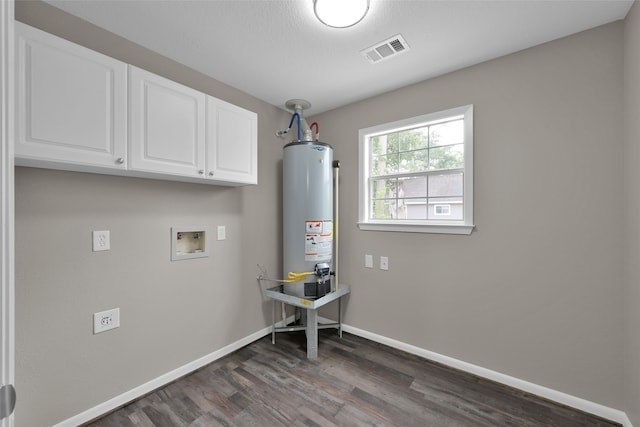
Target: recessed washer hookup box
pixel 189 242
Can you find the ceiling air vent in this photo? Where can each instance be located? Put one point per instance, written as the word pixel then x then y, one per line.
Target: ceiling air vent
pixel 385 49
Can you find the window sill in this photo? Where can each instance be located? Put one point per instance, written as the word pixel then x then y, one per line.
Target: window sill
pixel 464 229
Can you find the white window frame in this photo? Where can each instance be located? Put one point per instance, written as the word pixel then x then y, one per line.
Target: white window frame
pixel 464 226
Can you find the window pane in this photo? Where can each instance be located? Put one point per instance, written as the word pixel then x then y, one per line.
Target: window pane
pixel 412 187
pixel 384 144
pixel 446 185
pixel 446 208
pixel 414 161
pixel 447 133
pixel 392 142
pixel 451 156
pixel 384 189
pixel 383 209
pixel 414 139
pixel 413 208
pixel 376 149
pixel 384 165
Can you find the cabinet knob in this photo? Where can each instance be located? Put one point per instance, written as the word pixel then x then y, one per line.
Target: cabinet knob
pixel 211 173
pixel 120 160
pixel 201 172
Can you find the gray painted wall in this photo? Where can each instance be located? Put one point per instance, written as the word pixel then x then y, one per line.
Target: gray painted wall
pixel 536 291
pixel 172 313
pixel 632 213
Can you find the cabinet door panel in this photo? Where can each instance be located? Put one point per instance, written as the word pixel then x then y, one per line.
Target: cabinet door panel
pixel 167 125
pixel 232 147
pixel 71 102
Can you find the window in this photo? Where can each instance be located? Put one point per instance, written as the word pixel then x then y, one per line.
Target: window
pixel 442 209
pixel 416 174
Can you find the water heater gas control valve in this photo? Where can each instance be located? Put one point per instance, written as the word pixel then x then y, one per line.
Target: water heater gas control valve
pixel 322 269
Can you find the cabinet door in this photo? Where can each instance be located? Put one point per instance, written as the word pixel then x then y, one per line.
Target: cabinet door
pixel 71 103
pixel 232 143
pixel 167 125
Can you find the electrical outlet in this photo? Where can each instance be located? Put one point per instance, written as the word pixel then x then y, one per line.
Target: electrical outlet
pixel 368 261
pixel 105 320
pixel 101 240
pixel 384 263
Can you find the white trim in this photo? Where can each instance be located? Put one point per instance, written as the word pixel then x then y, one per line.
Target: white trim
pixel 544 392
pixel 538 390
pixel 162 380
pixel 430 226
pixel 7 253
pixel 417 228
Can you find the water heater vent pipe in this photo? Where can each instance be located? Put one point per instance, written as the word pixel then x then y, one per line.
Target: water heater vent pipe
pixel 336 212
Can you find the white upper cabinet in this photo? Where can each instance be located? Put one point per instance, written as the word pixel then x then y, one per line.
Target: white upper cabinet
pixel 167 125
pixel 80 110
pixel 71 104
pixel 232 143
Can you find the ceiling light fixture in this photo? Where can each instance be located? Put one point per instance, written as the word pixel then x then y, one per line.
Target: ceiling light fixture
pixel 340 13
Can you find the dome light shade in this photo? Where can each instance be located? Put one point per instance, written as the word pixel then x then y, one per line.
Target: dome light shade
pixel 340 13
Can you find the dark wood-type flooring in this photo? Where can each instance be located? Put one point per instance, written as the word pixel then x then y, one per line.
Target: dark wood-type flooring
pixel 353 382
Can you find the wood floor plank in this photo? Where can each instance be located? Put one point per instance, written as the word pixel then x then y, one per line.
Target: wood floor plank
pixel 210 419
pixel 138 418
pixel 353 382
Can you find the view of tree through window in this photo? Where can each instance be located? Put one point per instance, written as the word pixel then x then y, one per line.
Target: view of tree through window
pixel 413 170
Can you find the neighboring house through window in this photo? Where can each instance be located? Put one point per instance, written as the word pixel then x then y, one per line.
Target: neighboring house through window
pixel 416 174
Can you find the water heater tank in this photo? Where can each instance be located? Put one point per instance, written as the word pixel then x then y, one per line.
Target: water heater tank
pixel 307 210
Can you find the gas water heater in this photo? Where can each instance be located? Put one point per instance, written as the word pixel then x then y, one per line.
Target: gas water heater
pixel 308 223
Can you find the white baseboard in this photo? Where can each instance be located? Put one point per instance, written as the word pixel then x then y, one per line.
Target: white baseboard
pixel 538 390
pixel 547 393
pixel 163 380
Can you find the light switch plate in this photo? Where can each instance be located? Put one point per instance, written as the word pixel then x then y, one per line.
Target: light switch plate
pixel 368 261
pixel 384 263
pixel 101 240
pixel 221 231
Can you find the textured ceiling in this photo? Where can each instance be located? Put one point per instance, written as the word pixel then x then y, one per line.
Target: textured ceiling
pixel 276 49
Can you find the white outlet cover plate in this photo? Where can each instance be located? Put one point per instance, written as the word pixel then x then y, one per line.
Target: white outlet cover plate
pixel 106 320
pixel 368 261
pixel 384 263
pixel 221 232
pixel 101 240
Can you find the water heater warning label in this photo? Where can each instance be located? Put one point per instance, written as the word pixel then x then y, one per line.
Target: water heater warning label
pixel 318 240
